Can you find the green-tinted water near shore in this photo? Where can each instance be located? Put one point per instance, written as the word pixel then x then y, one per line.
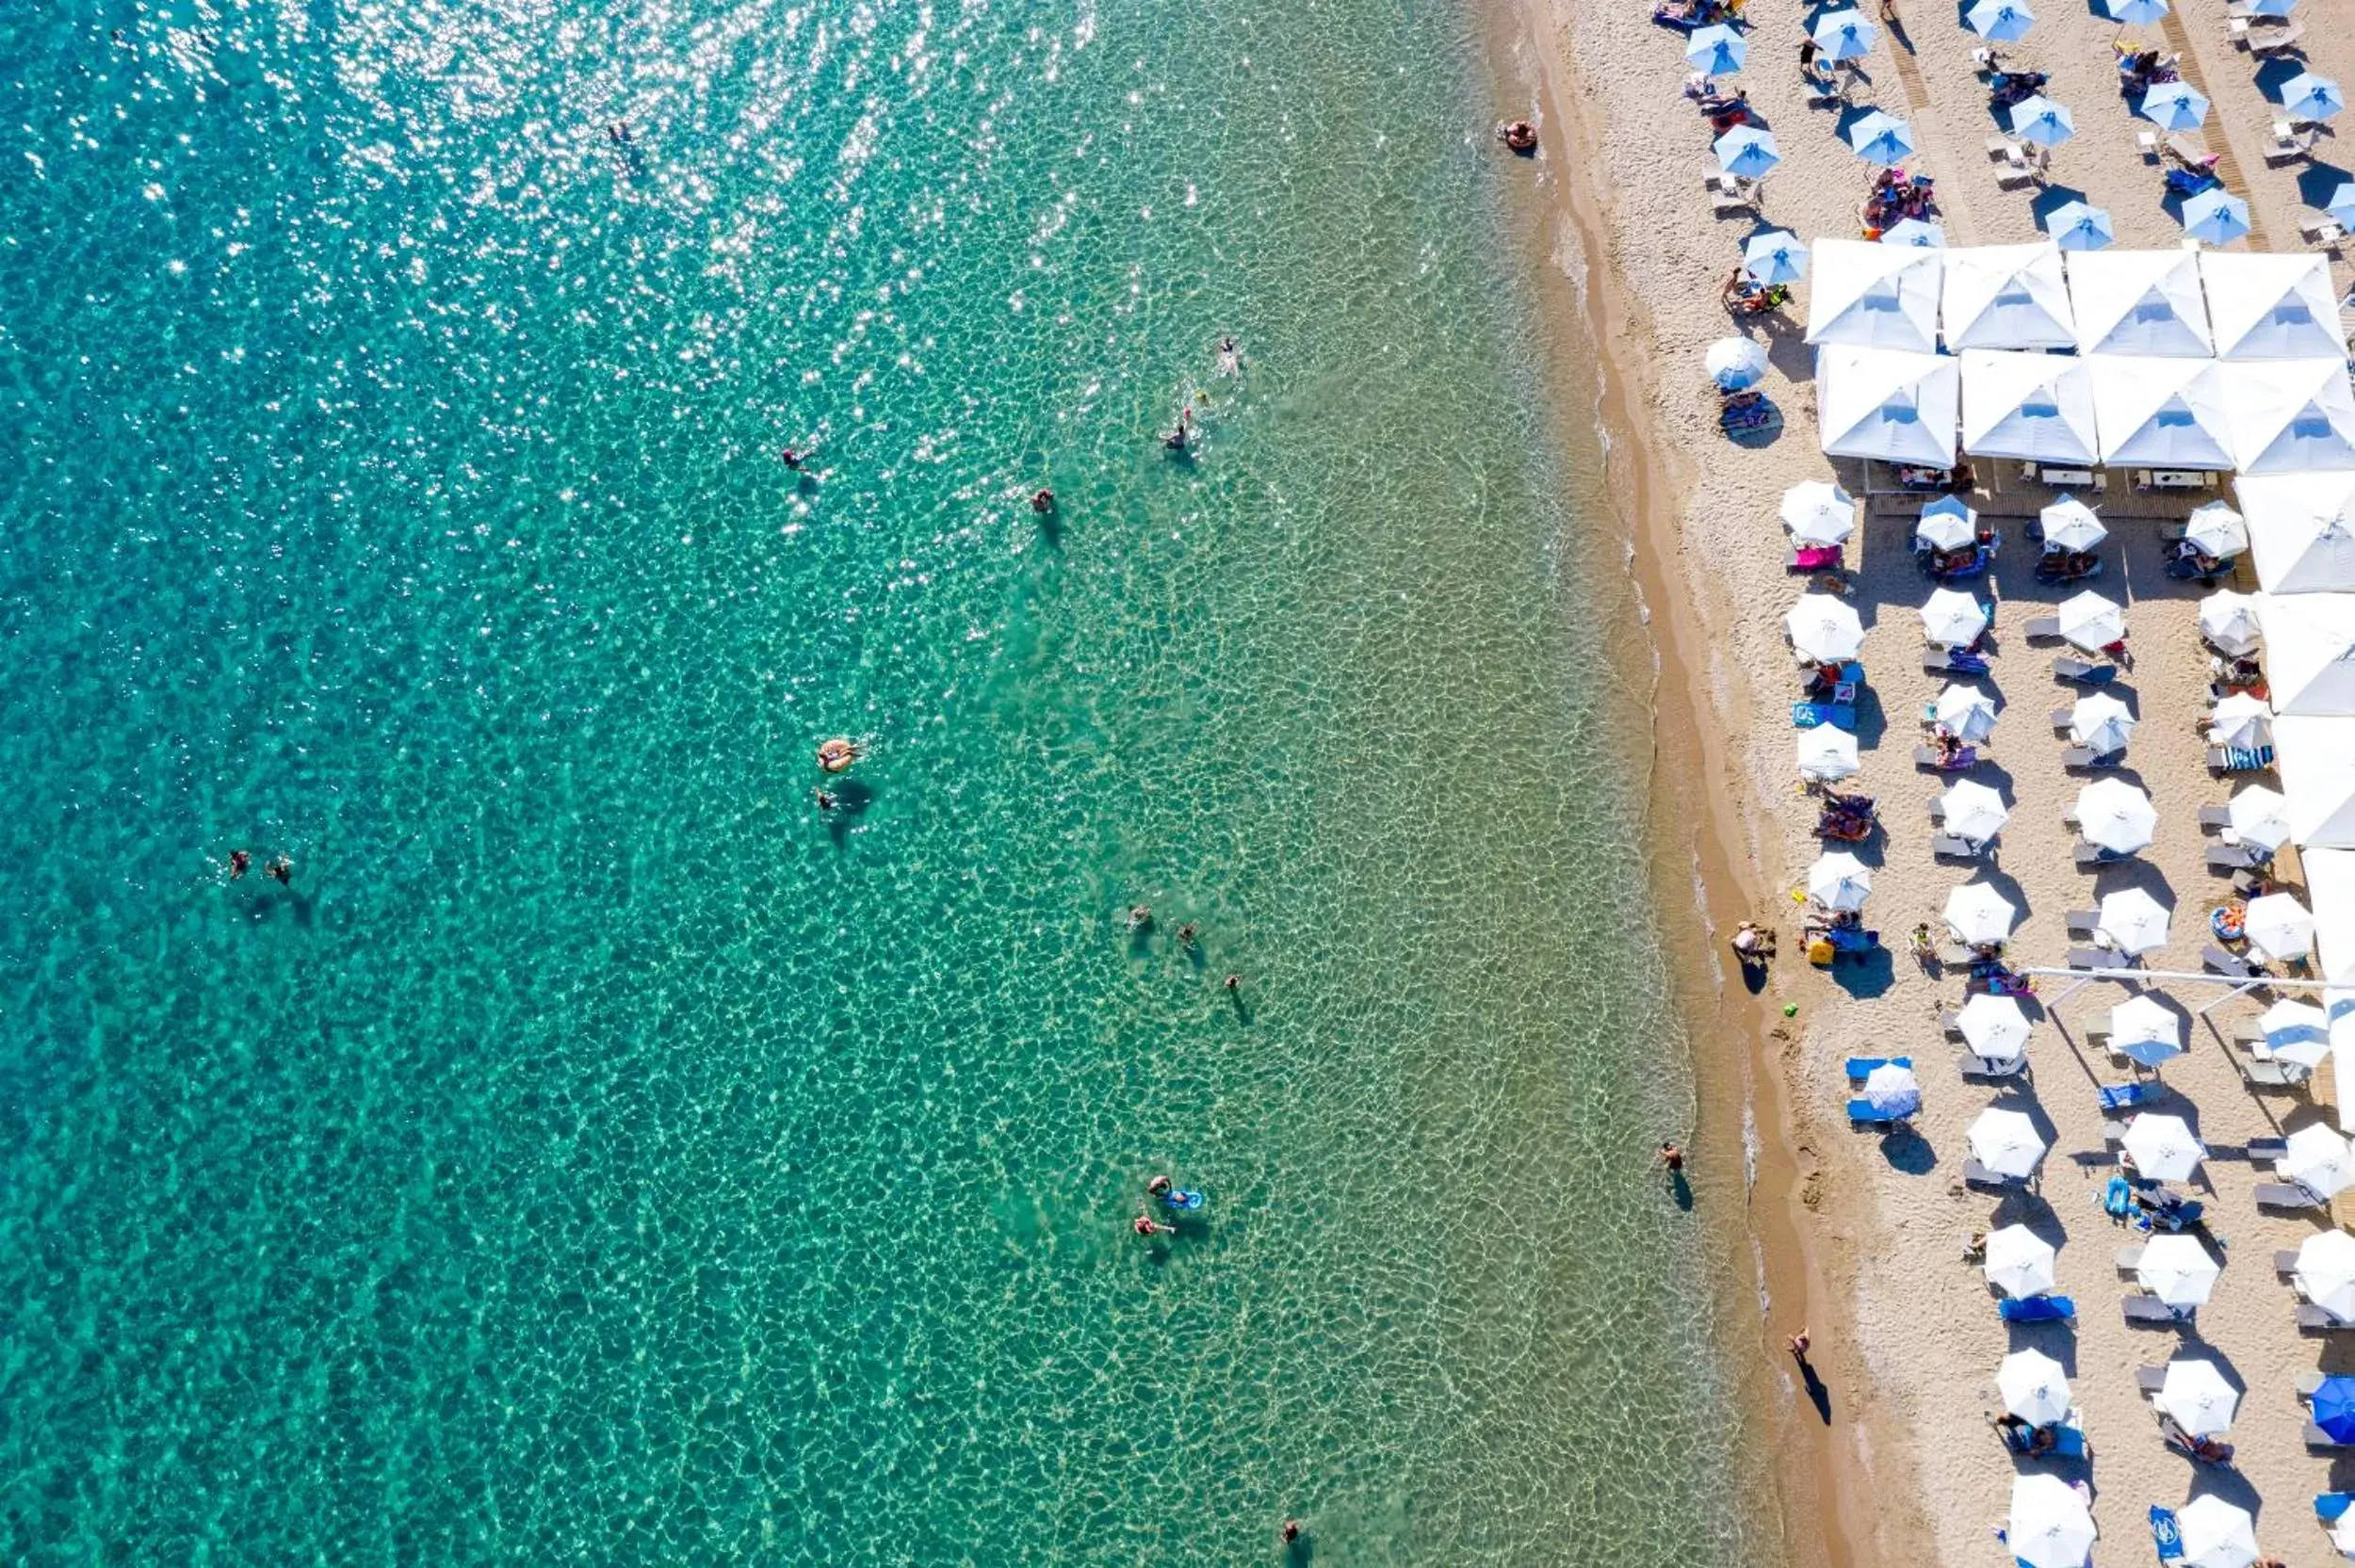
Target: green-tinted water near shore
pixel 597 1153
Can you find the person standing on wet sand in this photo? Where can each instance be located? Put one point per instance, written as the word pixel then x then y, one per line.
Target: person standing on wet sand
pixel 1672 1159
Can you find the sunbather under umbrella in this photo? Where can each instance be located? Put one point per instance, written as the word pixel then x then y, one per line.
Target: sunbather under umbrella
pixel 2196 1394
pixel 1775 257
pixel 1964 712
pixel 2033 1387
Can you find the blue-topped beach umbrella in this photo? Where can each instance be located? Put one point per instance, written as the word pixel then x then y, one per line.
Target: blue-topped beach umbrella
pixel 1746 152
pixel 1717 51
pixel 2271 7
pixel 2215 216
pixel 1735 364
pixel 2334 1407
pixel 1843 34
pixel 2043 122
pixel 2174 107
pixel 1999 21
pixel 2342 205
pixel 2076 226
pixel 1892 1092
pixel 1777 257
pixel 1881 137
pixel 2136 13
pixel 2308 98
pixel 1916 232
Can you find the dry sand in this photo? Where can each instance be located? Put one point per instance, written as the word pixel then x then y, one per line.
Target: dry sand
pixel 1905 1468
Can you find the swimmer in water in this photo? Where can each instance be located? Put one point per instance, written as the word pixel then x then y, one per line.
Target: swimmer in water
pixel 792 459
pixel 1144 1224
pixel 1176 440
pixel 1140 916
pixel 240 863
pixel 1043 502
pixel 282 868
pixel 1185 933
pixel 1229 357
pixel 618 133
pixel 1159 1187
pixel 826 801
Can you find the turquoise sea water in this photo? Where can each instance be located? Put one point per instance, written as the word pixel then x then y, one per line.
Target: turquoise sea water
pixel 596 1153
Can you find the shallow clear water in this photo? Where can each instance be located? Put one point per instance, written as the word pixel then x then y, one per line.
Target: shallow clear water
pixel 598 1154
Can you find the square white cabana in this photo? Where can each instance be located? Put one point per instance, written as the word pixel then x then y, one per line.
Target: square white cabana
pixel 2006 296
pixel 2139 303
pixel 2289 416
pixel 2263 306
pixel 2331 893
pixel 1887 404
pixel 2310 651
pixel 2039 407
pixel 2161 413
pixel 1873 296
pixel 2301 530
pixel 2316 760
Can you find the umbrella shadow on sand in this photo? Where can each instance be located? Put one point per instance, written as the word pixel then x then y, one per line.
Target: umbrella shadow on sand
pixel 2318 182
pixel 1908 1152
pixel 1763 433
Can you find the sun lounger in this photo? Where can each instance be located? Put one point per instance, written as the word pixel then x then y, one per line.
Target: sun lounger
pixel 2125 1096
pixel 2215 816
pixel 2037 1309
pixel 2096 958
pixel 2126 1258
pixel 2150 1379
pixel 2079 756
pixel 2230 857
pixel 1807 716
pixel 2150 1310
pixel 2284 1260
pixel 2068 669
pixel 1951 1021
pixel 1860 1068
pixel 1862 1113
pixel 1818 557
pixel 1949 847
pixel 2224 963
pixel 2317 1438
pixel 2313 1320
pixel 2266 1150
pixel 2321 232
pixel 2272 1073
pixel 1976 1175
pixel 2240 759
pixel 2309 1384
pixel 2282 1195
pixel 2272 40
pixel 1977 1067
pixel 1928 756
pixel 2043 626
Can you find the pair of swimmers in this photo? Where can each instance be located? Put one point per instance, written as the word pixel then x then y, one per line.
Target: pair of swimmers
pixel 281 866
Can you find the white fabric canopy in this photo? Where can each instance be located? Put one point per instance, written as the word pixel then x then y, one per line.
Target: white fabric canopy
pixel 2264 306
pixel 1824 629
pixel 2310 651
pixel 2049 1525
pixel 1827 754
pixel 2033 1387
pixel 2331 894
pixel 2161 412
pixel 2301 530
pixel 2289 416
pixel 1818 512
pixel 2216 1534
pixel 2019 1263
pixel 2139 303
pixel 2325 1273
pixel 2038 407
pixel 2316 760
pixel 1885 403
pixel 1976 913
pixel 2196 1394
pixel 2177 1269
pixel 1870 296
pixel 1994 1027
pixel 2006 296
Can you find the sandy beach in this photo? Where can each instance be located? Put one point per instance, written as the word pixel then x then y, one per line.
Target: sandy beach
pixel 1861 1238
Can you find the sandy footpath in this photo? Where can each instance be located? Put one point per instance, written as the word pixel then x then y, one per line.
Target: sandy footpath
pixel 1910 1349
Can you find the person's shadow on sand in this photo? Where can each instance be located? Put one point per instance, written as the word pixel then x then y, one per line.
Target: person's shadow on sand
pixel 1818 1394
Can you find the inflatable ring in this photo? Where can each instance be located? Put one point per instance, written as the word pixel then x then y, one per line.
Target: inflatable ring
pixel 836 754
pixel 2230 923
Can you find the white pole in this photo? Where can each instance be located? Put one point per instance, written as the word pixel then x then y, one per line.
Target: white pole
pixel 2238 983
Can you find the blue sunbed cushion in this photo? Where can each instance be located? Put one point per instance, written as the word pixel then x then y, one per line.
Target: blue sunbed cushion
pixel 2036 1309
pixel 2329 1506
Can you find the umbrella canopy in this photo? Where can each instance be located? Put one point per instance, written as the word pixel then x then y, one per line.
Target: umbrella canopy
pixel 1717 51
pixel 2136 13
pixel 1999 21
pixel 2142 302
pixel 2049 1526
pixel 2287 416
pixel 2069 525
pixel 2078 226
pixel 1965 712
pixel 1946 524
pixel 2301 530
pixel 2241 720
pixel 1747 150
pixel 1824 629
pixel 1977 917
pixel 2325 1273
pixel 2318 1160
pixel 2174 107
pixel 1843 35
pixel 2271 7
pixel 2308 98
pixel 1974 812
pixel 2310 652
pixel 2229 620
pixel 2296 1031
pixel 1876 296
pixel 1827 754
pixel 2316 759
pixel 2333 1406
pixel 2260 818
pixel 2216 216
pixel 2270 306
pixel 2039 407
pixel 2278 928
pixel 2006 1142
pixel 2177 1269
pixel 1893 404
pixel 2116 815
pixel 2216 1534
pixel 1737 363
pixel 1818 512
pixel 2134 922
pixel 1892 1091
pixel 2162 1147
pixel 2041 121
pixel 1953 619
pixel 1881 137
pixel 2033 1387
pixel 2196 1394
pixel 2101 723
pixel 1917 232
pixel 2020 1262
pixel 1775 257
pixel 2217 529
pixel 2145 1031
pixel 2091 622
pixel 2343 202
pixel 1998 297
pixel 1839 881
pixel 1994 1027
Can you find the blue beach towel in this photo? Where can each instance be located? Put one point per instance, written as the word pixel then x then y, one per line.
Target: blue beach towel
pixel 2036 1309
pixel 2166 1535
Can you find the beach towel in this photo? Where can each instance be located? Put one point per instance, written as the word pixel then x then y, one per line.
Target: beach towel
pixel 1840 716
pixel 2247 759
pixel 2036 1309
pixel 2165 1534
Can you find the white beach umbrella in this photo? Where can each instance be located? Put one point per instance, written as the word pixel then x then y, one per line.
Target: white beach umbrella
pixel 1953 619
pixel 1964 712
pixel 1974 812
pixel 2177 1269
pixel 1839 881
pixel 2100 722
pixel 1735 364
pixel 2144 1031
pixel 2006 1142
pixel 2116 815
pixel 2216 1534
pixel 2050 1527
pixel 1994 1027
pixel 2019 1263
pixel 2241 720
pixel 2229 620
pixel 2217 529
pixel 2260 818
pixel 2069 525
pixel 2295 1031
pixel 1843 35
pixel 1825 629
pixel 1892 1091
pixel 2318 1160
pixel 1978 915
pixel 2033 1387
pixel 2278 928
pixel 2132 921
pixel 2196 1394
pixel 1946 524
pixel 1827 755
pixel 2162 1147
pixel 2090 622
pixel 2325 1273
pixel 1818 512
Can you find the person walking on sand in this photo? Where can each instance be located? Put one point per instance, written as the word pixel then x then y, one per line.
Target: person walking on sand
pixel 1798 1345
